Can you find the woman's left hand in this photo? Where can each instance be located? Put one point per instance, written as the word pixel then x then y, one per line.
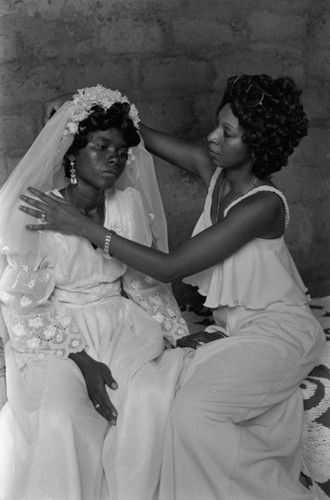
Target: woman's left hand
pixel 56 214
pixel 196 340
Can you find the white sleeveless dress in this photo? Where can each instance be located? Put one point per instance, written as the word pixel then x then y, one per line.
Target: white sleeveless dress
pixel 236 422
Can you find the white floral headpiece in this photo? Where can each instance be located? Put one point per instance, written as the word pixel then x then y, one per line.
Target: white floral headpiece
pixel 96 96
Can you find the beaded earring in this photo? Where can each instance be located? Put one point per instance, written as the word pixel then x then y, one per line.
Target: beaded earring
pixel 73 177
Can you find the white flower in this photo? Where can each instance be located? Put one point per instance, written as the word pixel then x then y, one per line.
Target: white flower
pixel 36 322
pixel 159 317
pixel 65 321
pixel 88 97
pixel 19 330
pixel 33 343
pixel 134 115
pixel 31 284
pixel 49 331
pixel 156 300
pixel 71 128
pixel 59 337
pixel 75 343
pixel 130 156
pixel 167 326
pixel 25 301
pixel 59 354
pixel 171 313
pixel 41 355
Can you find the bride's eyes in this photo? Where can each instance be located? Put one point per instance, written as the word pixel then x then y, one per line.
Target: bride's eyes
pixel 122 153
pixel 102 147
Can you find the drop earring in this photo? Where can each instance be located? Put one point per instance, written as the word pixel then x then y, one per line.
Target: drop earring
pixel 73 177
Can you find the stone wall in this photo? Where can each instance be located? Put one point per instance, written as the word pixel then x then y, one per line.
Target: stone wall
pixel 172 59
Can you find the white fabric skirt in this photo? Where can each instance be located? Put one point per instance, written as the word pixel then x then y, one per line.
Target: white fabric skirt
pixel 54 444
pixel 236 422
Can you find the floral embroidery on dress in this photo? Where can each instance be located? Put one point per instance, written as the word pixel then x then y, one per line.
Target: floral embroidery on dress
pixel 49 333
pixel 156 299
pixel 37 328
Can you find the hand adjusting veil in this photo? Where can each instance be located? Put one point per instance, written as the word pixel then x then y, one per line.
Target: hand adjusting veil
pixel 41 167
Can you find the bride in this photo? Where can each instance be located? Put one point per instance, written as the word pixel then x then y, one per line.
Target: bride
pixel 73 314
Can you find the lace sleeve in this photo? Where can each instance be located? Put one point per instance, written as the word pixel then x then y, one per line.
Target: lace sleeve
pixel 156 299
pixel 37 327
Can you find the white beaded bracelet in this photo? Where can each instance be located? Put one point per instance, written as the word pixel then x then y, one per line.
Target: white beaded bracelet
pixel 106 248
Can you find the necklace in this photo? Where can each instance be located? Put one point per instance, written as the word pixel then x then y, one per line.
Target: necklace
pixel 233 199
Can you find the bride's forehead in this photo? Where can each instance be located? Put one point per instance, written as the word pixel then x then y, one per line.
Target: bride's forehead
pixel 113 135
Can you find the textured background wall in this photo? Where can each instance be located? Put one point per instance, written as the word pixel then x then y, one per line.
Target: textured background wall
pixel 172 59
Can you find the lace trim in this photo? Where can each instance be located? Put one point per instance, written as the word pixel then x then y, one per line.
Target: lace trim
pixel 87 295
pixel 49 333
pixel 258 189
pixel 159 302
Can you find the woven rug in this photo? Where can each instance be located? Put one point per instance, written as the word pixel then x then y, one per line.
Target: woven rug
pixel 316 393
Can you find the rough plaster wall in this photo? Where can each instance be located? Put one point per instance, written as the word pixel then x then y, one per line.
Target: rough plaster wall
pixel 172 59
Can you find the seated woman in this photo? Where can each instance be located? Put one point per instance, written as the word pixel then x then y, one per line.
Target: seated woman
pixel 235 425
pixel 63 298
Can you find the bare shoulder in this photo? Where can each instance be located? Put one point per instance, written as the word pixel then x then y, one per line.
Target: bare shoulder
pixel 266 199
pixel 263 212
pixel 265 203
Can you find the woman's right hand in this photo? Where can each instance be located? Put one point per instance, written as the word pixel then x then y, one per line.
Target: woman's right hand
pixel 97 375
pixel 50 107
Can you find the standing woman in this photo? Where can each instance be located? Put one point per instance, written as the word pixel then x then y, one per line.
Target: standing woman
pixel 236 422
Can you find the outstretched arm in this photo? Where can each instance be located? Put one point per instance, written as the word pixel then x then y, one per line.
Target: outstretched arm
pixel 249 219
pixel 180 153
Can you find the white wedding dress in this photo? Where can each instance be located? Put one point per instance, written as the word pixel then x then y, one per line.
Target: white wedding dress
pixel 53 443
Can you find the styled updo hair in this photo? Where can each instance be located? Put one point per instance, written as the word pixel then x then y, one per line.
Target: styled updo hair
pixel 117 116
pixel 272 116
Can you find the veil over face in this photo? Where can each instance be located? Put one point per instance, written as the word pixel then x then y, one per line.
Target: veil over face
pixel 41 167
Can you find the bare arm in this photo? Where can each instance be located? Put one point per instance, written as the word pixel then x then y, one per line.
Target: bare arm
pixel 251 218
pixel 180 153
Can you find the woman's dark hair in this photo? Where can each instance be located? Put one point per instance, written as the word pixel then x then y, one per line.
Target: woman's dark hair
pixel 102 119
pixel 272 116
